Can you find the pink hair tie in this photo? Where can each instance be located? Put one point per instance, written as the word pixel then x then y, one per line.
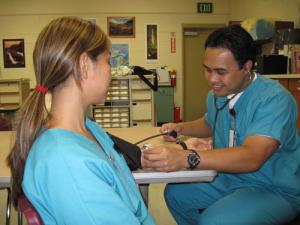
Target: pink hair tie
pixel 41 89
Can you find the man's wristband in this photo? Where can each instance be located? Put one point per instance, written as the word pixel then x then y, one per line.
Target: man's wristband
pixel 182 144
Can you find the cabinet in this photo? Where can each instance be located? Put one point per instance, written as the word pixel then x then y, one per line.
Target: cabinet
pixel 115 112
pixel 13 92
pixel 164 104
pixel 129 102
pixel 292 83
pixel 142 102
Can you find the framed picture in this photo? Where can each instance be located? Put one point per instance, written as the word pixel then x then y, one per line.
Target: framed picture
pixel 152 42
pixel 119 55
pixel 13 53
pixel 122 27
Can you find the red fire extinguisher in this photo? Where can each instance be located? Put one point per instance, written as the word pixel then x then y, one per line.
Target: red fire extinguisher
pixel 173 78
pixel 176 118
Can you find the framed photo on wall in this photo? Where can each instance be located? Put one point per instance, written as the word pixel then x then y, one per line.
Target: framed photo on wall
pixel 152 42
pixel 119 55
pixel 13 53
pixel 122 27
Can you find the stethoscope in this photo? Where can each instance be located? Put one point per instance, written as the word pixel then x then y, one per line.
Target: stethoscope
pixel 218 109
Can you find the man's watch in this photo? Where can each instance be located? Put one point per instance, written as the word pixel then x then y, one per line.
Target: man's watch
pixel 193 159
pixel 182 144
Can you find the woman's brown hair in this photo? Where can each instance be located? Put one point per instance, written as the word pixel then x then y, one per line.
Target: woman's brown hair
pixel 56 57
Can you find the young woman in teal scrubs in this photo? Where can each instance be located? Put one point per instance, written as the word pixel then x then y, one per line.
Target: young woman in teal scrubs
pixel 63 162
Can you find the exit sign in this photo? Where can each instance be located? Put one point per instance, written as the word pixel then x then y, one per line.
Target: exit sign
pixel 204 7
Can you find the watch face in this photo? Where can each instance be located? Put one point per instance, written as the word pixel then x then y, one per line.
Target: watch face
pixel 193 159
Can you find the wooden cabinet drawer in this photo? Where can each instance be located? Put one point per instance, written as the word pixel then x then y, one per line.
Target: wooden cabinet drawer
pixel 146 123
pixel 284 82
pixel 9 98
pixel 294 84
pixel 142 110
pixel 139 84
pixel 296 95
pixel 141 94
pixel 14 87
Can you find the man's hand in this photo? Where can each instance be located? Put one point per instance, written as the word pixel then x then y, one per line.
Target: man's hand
pixel 169 127
pixel 165 158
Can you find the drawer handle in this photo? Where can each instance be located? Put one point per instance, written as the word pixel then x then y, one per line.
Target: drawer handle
pixel 134 103
pixel 134 124
pixel 298 88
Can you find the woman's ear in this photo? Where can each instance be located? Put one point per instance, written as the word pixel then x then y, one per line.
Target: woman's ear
pixel 83 64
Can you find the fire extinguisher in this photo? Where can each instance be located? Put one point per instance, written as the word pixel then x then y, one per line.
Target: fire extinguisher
pixel 173 78
pixel 176 117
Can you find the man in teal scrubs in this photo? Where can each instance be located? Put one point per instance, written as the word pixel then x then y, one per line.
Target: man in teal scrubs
pixel 256 145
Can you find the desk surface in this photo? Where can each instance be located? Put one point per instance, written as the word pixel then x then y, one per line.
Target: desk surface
pixel 132 135
pixel 152 177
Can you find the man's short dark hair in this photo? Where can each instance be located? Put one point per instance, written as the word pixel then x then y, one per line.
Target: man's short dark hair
pixel 235 39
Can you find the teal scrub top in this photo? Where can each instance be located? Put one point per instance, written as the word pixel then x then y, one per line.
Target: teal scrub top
pixel 70 180
pixel 265 109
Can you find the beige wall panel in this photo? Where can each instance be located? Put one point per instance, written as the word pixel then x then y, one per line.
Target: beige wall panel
pixel 276 9
pixel 105 6
pixel 25 19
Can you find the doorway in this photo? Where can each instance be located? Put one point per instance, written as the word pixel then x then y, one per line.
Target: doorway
pixel 195 87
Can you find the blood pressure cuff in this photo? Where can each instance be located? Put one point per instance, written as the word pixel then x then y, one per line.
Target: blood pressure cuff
pixel 131 153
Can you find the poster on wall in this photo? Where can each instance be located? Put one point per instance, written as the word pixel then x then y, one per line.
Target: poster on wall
pixel 119 55
pixel 13 53
pixel 173 42
pixel 152 43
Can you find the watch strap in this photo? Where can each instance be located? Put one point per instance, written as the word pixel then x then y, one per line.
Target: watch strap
pixel 182 144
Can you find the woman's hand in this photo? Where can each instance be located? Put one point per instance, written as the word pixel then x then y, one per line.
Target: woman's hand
pixel 198 144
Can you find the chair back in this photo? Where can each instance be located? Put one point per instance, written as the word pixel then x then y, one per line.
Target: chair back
pixel 31 215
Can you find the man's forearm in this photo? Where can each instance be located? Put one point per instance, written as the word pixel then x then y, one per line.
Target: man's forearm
pixel 196 128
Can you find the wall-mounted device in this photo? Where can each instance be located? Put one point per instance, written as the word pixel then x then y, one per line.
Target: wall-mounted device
pixel 163 76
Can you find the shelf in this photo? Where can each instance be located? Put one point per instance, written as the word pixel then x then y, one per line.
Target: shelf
pixel 141 100
pixel 117 103
pixel 10 104
pixel 9 93
pixel 144 120
pixel 292 76
pixel 140 89
pixel 129 95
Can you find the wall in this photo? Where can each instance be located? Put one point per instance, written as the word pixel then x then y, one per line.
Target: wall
pixel 25 19
pixel 288 10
